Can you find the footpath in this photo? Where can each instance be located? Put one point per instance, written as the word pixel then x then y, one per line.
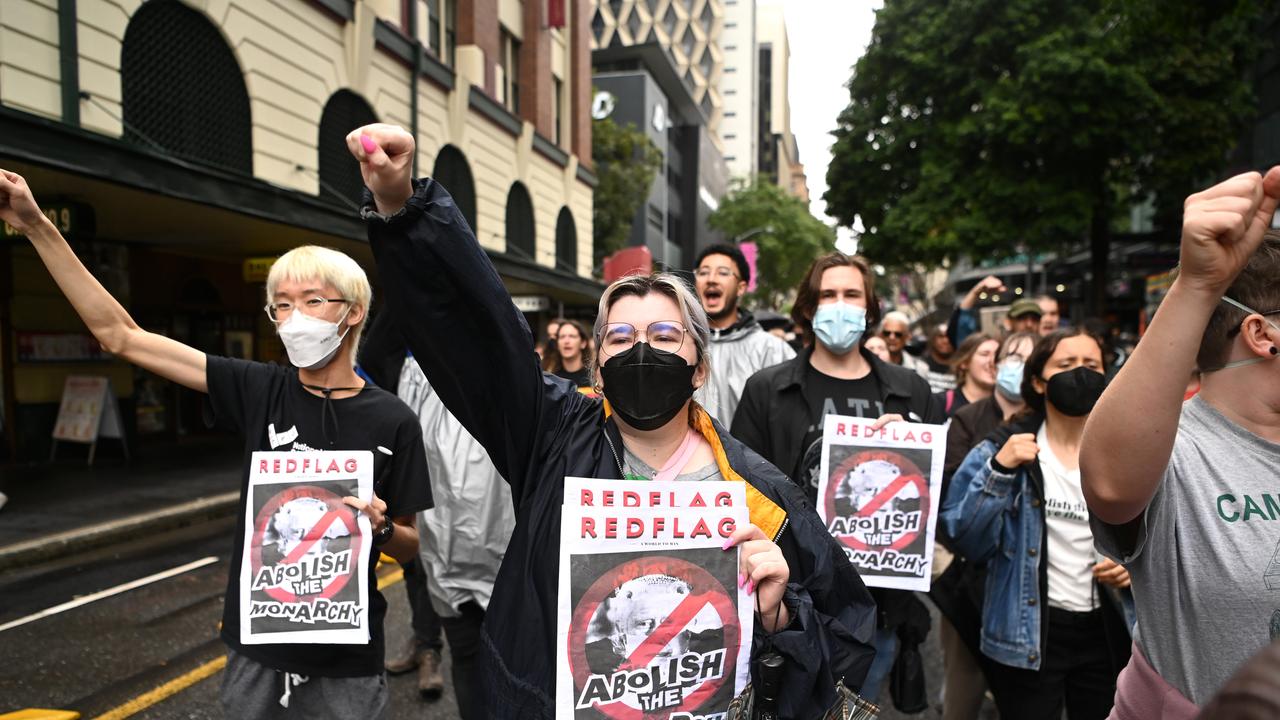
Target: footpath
pixel 66 507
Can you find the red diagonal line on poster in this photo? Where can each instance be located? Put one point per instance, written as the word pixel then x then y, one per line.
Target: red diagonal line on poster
pixel 317 531
pixel 884 496
pixel 670 627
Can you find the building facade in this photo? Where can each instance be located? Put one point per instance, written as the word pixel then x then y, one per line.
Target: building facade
pixel 738 87
pixel 779 158
pixel 189 142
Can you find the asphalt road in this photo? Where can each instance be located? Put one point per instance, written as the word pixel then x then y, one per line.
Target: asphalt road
pixel 152 651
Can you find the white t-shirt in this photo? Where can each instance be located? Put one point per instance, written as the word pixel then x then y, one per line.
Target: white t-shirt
pixel 1070 541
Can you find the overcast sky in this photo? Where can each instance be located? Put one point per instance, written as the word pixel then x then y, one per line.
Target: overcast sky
pixel 827 37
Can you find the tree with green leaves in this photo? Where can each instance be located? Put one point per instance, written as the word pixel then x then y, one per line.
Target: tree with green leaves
pixel 787 235
pixel 626 162
pixel 980 127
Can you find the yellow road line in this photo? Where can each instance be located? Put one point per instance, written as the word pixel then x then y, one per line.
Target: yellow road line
pixel 159 694
pixel 178 684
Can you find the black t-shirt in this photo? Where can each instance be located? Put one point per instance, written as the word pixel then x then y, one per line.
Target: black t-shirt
pixel 580 377
pixel 268 405
pixel 827 395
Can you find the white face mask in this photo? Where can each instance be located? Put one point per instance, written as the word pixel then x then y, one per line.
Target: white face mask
pixel 1249 361
pixel 310 341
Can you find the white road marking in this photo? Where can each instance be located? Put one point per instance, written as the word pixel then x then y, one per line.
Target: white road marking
pixel 109 592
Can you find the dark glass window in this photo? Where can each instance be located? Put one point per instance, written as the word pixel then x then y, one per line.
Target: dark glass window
pixel 452 171
pixel 566 242
pixel 521 234
pixel 339 171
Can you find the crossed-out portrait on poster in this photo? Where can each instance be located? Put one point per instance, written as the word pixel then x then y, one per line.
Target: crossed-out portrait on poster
pixel 878 495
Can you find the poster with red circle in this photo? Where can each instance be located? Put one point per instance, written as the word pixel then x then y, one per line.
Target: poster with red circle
pixel 878 495
pixel 653 634
pixel 304 575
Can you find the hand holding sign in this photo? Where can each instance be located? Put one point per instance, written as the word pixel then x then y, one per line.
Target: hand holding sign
pixel 17 205
pixel 385 153
pixel 376 508
pixel 1018 450
pixel 1223 226
pixel 764 570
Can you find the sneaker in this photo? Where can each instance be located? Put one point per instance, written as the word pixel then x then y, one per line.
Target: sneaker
pixel 405 660
pixel 430 681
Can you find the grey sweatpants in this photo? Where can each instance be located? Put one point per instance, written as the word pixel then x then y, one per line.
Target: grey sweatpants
pixel 251 691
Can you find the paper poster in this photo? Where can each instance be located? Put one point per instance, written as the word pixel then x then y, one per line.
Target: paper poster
pixel 878 495
pixel 88 410
pixel 651 621
pixel 305 574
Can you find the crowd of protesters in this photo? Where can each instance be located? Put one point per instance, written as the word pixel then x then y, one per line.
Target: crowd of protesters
pixel 1105 542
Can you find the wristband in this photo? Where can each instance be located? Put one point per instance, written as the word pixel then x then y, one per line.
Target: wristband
pixel 997 467
pixel 384 533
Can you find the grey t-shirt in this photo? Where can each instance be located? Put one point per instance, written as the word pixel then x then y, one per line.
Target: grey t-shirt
pixel 635 466
pixel 1206 560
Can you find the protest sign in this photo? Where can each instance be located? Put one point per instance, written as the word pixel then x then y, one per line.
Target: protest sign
pixel 305 573
pixel 878 495
pixel 651 623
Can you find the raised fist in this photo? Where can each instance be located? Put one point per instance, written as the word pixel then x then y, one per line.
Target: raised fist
pixel 1223 226
pixel 385 154
pixel 17 205
pixel 1018 450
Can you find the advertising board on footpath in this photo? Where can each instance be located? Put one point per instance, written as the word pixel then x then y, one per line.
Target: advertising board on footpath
pixel 878 495
pixel 651 622
pixel 305 574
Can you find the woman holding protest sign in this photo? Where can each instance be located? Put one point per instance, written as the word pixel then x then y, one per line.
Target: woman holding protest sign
pixel 304 642
pixel 651 335
pixel 1016 504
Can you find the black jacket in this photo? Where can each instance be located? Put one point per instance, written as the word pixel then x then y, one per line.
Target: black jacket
pixel 773 415
pixel 477 352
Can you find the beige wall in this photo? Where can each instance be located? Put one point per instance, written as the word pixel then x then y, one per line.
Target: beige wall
pixel 294 57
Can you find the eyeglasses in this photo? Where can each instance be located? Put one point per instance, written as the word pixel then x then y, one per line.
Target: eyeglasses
pixel 892 333
pixel 722 273
pixel 664 336
pixel 314 307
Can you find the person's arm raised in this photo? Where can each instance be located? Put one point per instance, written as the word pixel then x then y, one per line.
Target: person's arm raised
pixel 1129 436
pixel 109 322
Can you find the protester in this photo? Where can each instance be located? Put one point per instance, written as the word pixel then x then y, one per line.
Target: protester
pixel 937 364
pixel 1016 505
pixel 547 345
pixel 1181 493
pixel 958 590
pixel 1050 314
pixel 974 365
pixel 572 357
pixel 319 300
pixel 877 346
pixel 475 349
pixel 895 328
pixel 739 346
pixel 964 318
pixel 783 407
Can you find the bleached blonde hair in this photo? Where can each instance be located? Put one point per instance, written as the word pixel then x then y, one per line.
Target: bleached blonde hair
pixel 692 315
pixel 328 267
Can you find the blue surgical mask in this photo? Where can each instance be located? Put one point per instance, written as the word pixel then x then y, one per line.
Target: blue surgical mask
pixel 1249 361
pixel 1009 378
pixel 839 326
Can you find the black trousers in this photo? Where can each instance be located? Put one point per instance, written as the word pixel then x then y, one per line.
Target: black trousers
pixel 463 633
pixel 1076 673
pixel 426 623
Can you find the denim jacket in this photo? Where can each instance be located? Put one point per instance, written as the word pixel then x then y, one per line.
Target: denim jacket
pixel 998 519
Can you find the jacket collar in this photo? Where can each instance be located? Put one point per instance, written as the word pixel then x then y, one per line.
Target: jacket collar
pixel 745 324
pixel 892 384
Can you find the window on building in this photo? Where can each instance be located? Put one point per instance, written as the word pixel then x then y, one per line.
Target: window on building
pixel 452 171
pixel 509 85
pixel 566 242
pixel 558 110
pixel 434 32
pixel 730 114
pixel 730 69
pixel 731 137
pixel 339 172
pixel 450 32
pixel 182 89
pixel 521 235
pixel 730 25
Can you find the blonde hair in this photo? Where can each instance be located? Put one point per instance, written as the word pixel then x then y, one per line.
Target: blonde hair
pixel 329 267
pixel 692 315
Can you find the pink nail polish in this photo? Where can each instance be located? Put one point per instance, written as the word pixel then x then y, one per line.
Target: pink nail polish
pixel 751 586
pixel 727 544
pixel 742 579
pixel 368 144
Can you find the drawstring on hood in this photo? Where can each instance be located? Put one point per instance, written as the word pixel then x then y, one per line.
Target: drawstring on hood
pixel 327 410
pixel 291 680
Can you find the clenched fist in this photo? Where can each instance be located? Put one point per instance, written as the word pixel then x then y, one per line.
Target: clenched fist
pixel 1018 450
pixel 17 205
pixel 1223 226
pixel 385 154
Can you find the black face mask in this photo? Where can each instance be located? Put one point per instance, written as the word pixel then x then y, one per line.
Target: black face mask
pixel 1075 392
pixel 645 387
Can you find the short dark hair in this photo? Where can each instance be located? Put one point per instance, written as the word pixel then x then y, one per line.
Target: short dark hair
pixel 1257 286
pixel 733 252
pixel 1040 355
pixel 807 294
